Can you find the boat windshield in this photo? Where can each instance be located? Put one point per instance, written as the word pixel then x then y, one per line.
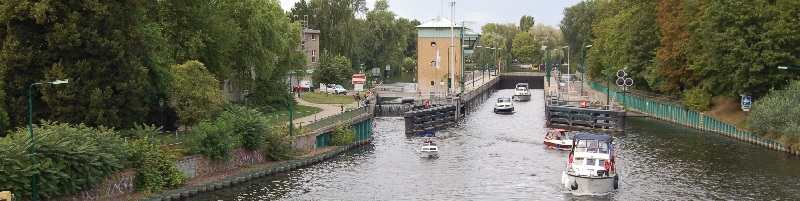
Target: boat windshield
pixel 592 146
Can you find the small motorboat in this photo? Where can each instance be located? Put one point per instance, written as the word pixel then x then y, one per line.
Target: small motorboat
pixel 504 105
pixel 591 169
pixel 429 148
pixel 522 92
pixel 559 139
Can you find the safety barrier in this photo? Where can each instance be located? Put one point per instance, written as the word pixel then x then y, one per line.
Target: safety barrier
pixel 689 118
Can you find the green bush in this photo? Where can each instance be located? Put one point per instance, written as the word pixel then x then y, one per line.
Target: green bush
pixel 775 116
pixel 343 135
pixel 155 165
pixel 280 144
pixel 69 158
pixel 214 139
pixel 697 99
pixel 249 125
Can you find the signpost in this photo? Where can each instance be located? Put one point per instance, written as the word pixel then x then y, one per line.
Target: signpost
pixel 623 82
pixel 746 101
pixel 358 81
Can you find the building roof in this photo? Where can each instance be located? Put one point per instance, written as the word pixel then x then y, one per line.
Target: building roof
pixel 439 22
pixel 313 31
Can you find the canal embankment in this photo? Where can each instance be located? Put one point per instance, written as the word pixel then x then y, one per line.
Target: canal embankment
pixel 681 116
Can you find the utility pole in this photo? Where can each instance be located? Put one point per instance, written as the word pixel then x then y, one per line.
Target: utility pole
pixel 451 84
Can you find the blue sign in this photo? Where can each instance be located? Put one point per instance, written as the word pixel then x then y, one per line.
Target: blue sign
pixel 746 100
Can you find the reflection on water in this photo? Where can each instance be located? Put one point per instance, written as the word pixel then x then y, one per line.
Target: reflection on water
pixel 500 157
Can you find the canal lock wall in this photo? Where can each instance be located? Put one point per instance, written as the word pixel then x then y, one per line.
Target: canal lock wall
pixel 692 119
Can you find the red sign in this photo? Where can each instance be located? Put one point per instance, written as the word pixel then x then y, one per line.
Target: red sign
pixel 359 79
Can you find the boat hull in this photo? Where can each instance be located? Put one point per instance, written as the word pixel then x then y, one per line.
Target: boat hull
pixel 559 144
pixel 578 185
pixel 428 154
pixel 522 97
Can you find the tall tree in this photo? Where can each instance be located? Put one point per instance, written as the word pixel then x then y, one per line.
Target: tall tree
pixel 384 41
pixel 526 22
pixel 92 44
pixel 197 95
pixel 525 48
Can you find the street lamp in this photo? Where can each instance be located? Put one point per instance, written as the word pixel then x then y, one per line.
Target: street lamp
pixel 787 68
pixel 30 125
pixel 568 68
pixel 161 107
pixel 547 64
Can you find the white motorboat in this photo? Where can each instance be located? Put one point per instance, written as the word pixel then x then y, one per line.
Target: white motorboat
pixel 591 169
pixel 559 139
pixel 429 148
pixel 522 92
pixel 504 105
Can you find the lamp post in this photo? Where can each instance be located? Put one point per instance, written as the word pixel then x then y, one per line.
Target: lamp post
pixel 608 81
pixel 547 65
pixel 568 68
pixel 788 68
pixel 161 107
pixel 30 125
pixel 583 68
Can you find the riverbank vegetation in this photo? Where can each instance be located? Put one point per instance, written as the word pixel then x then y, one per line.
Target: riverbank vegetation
pixel 693 50
pixel 775 116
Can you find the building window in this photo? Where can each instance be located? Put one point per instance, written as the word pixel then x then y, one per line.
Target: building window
pixel 313 56
pixel 313 37
pixel 303 47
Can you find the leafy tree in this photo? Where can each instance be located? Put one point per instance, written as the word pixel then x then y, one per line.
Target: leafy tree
pixel 93 45
pixel 525 48
pixel 384 41
pixel 506 32
pixel 196 96
pixel 526 22
pixel 332 69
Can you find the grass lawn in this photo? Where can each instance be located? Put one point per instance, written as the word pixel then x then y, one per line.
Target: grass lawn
pixel 321 98
pixel 300 111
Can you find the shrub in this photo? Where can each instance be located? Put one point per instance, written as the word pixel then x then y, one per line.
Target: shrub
pixel 155 166
pixel 69 158
pixel 775 117
pixel 697 99
pixel 214 139
pixel 280 144
pixel 343 135
pixel 249 125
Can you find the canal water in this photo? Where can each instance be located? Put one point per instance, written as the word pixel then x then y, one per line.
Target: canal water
pixel 499 157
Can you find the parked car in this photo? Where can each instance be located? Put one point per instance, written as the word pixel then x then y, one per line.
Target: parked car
pixel 336 89
pixel 307 86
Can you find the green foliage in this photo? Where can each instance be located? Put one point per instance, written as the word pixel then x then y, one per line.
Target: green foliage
pixel 69 158
pixel 4 121
pixel 332 69
pixel 343 135
pixel 775 116
pixel 384 38
pixel 526 22
pixel 155 166
pixel 197 95
pixel 214 139
pixel 525 48
pixel 280 144
pixel 248 124
pixel 697 99
pixel 91 44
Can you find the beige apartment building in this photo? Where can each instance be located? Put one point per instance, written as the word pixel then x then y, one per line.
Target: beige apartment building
pixel 434 37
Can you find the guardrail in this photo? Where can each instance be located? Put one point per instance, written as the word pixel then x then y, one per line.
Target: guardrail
pixel 693 119
pixel 345 116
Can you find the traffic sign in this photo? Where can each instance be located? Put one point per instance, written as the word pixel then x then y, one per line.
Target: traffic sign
pixel 746 100
pixel 620 81
pixel 359 79
pixel 621 73
pixel 628 81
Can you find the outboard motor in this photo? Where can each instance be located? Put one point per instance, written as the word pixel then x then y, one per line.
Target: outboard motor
pixel 574 185
pixel 616 182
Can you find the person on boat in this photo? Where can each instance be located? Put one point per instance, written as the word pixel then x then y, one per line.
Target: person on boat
pixel 609 166
pixel 548 137
pixel 611 151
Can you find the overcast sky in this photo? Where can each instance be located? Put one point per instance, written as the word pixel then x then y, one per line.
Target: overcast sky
pixel 548 12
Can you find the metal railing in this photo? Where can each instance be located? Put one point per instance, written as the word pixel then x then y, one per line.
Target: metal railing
pixel 685 117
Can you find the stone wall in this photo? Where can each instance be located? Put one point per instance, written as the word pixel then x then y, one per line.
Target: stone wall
pixel 116 184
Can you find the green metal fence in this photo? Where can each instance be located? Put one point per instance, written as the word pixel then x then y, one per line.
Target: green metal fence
pixel 683 116
pixel 343 117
